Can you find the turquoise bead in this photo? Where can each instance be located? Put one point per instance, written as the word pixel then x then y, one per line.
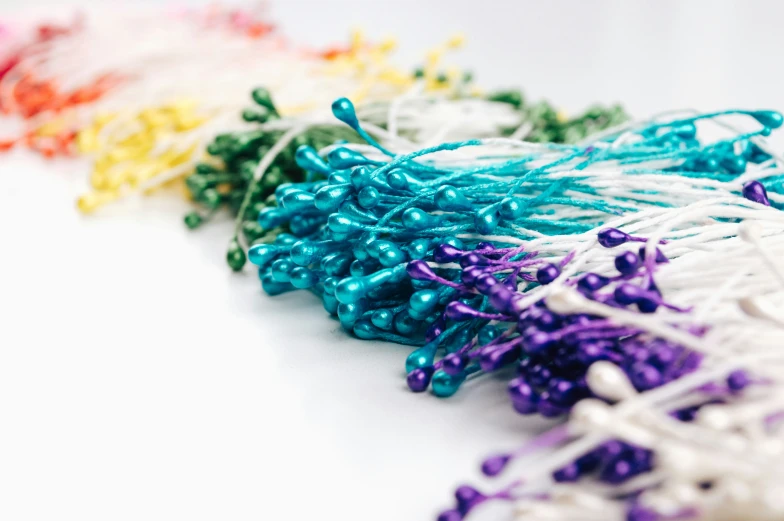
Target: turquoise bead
pixel 336 264
pixel 487 334
pixel 305 253
pixel 303 278
pixel 348 314
pixel 343 157
pixel 263 254
pixel 382 319
pixel 399 179
pixel 422 357
pixel 416 219
pixel 445 385
pixel 487 219
pixel 272 217
pixel 768 118
pixel 368 197
pixel 308 159
pixel 330 283
pixel 297 201
pixel 330 304
pixel 418 248
pixel 450 200
pixel 281 270
pixel 344 110
pixel 365 330
pixel 404 324
pixel 341 224
pixel 273 287
pixel 329 198
pixel 422 303
pixel 302 225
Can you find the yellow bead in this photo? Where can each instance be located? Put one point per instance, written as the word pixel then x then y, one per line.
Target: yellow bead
pixel 87 141
pixel 90 202
pixel 99 180
pixel 456 41
pixel 184 123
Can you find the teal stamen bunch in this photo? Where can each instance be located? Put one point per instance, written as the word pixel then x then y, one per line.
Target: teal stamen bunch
pixel 232 181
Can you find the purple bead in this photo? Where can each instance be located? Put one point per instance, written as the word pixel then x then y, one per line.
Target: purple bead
pixel 519 389
pixel 590 352
pixel 627 294
pixel 610 450
pixel 687 414
pixel 546 320
pixel 547 273
pixel 548 409
pixel 485 246
pixel 494 465
pixel 485 281
pixel 467 498
pixel 498 357
pixel 469 275
pixel 663 355
pixel 444 253
pixel 639 513
pixel 661 258
pixel 567 474
pixel 419 270
pixel 473 259
pixel 435 330
pixel 589 462
pixel 617 471
pixel 591 282
pixel 612 237
pixel 754 191
pixel 459 311
pixel 627 263
pixel 540 375
pixel 418 380
pixel 450 515
pixel 563 392
pixel 644 376
pixel 537 341
pixel 454 364
pixel 738 380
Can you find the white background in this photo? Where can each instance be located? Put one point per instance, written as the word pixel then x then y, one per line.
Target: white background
pixel 141 380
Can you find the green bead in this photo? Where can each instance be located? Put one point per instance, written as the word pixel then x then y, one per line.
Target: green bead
pixel 211 198
pixel 257 115
pixel 263 98
pixel 204 168
pixel 512 97
pixel 235 257
pixel 252 230
pixel 193 220
pixel 442 78
pixel 214 149
pixel 419 72
pixel 197 183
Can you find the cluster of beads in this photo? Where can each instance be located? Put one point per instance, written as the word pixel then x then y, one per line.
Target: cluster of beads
pixel 407 123
pixel 139 149
pixel 352 238
pixel 645 446
pixel 55 83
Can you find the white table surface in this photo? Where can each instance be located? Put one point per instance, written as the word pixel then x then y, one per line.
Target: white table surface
pixel 141 380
